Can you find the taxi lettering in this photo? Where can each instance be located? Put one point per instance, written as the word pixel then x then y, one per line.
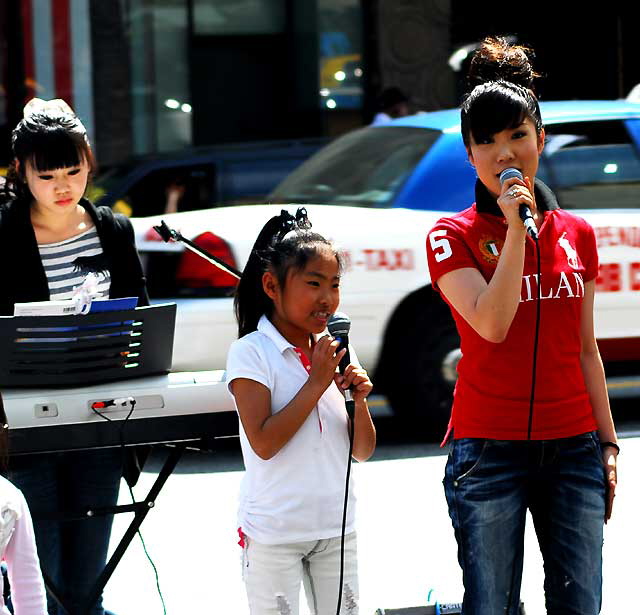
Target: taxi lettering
pixel 618 277
pixel 381 259
pixel 608 236
pixel 611 277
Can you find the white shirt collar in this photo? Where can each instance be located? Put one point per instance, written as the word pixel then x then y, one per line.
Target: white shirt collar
pixel 266 327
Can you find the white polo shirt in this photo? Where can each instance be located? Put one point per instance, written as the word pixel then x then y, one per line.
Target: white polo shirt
pixel 298 494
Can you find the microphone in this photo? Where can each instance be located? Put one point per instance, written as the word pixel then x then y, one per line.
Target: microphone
pixel 523 211
pixel 338 326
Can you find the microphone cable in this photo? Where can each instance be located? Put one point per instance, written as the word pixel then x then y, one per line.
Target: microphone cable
pixel 153 566
pixel 350 406
pixel 536 339
pixel 535 343
pixel 123 426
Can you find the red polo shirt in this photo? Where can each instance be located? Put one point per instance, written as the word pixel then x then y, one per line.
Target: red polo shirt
pixel 491 398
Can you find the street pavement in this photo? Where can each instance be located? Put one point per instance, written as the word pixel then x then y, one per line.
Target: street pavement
pixel 406 543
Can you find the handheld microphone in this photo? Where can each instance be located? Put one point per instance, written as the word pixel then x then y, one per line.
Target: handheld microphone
pixel 523 210
pixel 338 326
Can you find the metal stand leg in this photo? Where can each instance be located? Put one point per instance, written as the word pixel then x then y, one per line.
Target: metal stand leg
pixel 141 510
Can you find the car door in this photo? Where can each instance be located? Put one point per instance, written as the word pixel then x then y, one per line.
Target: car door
pixel 594 169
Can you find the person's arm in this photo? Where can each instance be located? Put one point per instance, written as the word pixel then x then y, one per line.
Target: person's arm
pixel 130 262
pixel 595 381
pixel 27 586
pixel 364 435
pixel 268 433
pixel 174 192
pixel 490 308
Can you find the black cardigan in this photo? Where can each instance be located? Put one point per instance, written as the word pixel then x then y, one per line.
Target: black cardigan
pixel 22 276
pixel 23 279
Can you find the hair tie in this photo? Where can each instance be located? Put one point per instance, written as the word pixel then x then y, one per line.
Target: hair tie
pixel 290 223
pixel 287 223
pixel 302 221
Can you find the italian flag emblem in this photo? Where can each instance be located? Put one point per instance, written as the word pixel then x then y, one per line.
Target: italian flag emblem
pixel 490 249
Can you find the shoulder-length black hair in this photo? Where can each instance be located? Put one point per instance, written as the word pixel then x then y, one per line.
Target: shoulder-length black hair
pixel 49 137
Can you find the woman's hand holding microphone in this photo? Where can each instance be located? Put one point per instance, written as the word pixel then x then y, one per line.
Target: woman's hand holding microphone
pixel 516 192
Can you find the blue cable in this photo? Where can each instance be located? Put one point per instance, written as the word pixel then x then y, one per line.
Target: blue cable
pixel 436 605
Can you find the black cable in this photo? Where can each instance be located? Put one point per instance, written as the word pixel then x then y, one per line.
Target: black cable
pixel 534 364
pixel 535 345
pixel 123 425
pixel 351 413
pixel 144 548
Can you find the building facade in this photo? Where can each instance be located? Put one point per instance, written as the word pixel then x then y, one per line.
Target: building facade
pixel 149 76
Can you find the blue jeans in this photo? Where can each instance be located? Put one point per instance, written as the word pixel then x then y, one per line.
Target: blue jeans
pixel 490 484
pixel 72 553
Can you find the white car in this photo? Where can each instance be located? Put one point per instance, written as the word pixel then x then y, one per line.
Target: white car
pixel 382 189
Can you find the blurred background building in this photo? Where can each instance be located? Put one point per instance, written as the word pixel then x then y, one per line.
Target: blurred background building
pixel 149 76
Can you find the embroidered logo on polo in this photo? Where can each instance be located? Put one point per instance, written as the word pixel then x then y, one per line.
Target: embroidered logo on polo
pixel 490 249
pixel 570 251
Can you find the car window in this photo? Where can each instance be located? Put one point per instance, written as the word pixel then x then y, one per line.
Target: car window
pixel 249 181
pixel 107 181
pixel 366 168
pixel 167 276
pixel 169 189
pixel 591 165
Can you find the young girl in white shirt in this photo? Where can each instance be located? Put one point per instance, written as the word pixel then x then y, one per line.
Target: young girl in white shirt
pixel 294 427
pixel 18 545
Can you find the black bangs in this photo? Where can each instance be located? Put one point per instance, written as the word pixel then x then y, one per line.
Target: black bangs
pixel 497 106
pixel 54 150
pixel 297 250
pixel 51 141
pixel 45 140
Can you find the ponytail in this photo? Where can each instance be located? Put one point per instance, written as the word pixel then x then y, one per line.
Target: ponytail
pixel 285 242
pixel 250 301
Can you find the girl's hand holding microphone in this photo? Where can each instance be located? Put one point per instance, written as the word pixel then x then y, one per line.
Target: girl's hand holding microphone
pixel 356 379
pixel 324 362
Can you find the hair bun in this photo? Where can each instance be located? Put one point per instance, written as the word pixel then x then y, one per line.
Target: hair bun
pixel 498 60
pixel 57 106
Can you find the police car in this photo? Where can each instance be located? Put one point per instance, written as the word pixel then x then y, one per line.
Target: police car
pixel 376 192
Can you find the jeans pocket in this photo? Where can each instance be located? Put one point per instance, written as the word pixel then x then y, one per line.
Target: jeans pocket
pixel 584 451
pixel 594 446
pixel 467 457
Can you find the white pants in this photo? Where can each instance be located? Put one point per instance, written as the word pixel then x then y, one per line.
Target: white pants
pixel 272 576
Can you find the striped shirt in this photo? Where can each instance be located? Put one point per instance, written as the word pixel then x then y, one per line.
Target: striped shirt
pixel 67 263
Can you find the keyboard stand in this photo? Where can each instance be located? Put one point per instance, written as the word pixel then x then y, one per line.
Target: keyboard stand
pixel 140 508
pixel 77 350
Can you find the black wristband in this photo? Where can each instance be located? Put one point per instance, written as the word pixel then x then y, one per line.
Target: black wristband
pixel 604 445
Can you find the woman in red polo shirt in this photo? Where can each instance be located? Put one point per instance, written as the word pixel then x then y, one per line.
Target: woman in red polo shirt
pixel 531 423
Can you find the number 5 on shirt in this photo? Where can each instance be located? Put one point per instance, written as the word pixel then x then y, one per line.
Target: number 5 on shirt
pixel 440 246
